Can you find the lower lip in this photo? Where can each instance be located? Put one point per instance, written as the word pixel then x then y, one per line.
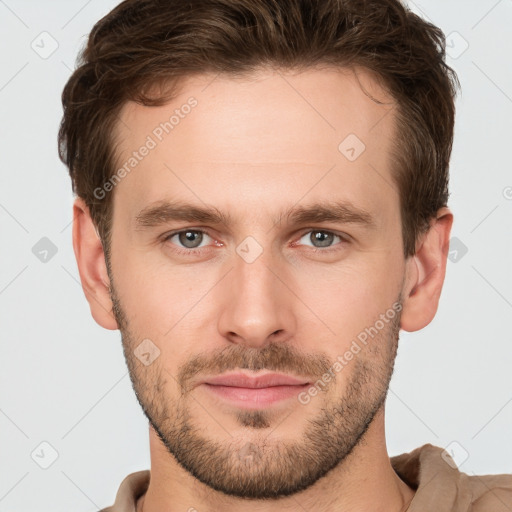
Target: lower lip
pixel 254 398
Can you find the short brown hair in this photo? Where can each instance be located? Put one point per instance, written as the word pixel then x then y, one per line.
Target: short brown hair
pixel 143 43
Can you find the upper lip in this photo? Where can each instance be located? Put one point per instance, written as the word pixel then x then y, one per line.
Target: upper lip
pixel 244 380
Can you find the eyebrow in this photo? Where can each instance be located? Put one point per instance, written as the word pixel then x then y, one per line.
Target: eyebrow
pixel 163 212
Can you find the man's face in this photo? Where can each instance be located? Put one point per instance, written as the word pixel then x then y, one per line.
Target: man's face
pixel 261 292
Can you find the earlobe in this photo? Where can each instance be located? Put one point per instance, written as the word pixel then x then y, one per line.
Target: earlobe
pixel 92 266
pixel 425 274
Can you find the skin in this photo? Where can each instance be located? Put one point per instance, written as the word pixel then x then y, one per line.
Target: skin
pixel 252 148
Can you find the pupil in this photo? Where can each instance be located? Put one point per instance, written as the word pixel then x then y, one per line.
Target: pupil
pixel 189 238
pixel 323 238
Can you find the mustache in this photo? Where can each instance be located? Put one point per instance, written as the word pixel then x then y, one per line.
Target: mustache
pixel 278 357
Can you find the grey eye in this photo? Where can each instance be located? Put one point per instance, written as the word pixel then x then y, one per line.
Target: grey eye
pixel 319 238
pixel 190 239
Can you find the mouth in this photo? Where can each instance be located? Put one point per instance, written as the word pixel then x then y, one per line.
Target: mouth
pixel 254 391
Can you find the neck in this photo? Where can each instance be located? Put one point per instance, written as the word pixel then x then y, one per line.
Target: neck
pixel 365 480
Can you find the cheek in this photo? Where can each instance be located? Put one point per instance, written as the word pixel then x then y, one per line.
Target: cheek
pixel 335 300
pixel 344 299
pixel 160 299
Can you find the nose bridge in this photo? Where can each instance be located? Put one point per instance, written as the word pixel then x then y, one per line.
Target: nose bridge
pixel 254 274
pixel 256 304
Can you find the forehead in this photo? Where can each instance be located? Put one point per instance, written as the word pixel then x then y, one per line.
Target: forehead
pixel 329 102
pixel 277 132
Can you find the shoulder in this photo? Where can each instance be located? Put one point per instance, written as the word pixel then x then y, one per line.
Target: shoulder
pixel 489 493
pixel 433 473
pixel 131 488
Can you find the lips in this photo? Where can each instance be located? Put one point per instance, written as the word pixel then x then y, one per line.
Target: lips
pixel 248 391
pixel 242 380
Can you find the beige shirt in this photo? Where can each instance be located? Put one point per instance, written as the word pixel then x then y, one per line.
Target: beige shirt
pixel 440 486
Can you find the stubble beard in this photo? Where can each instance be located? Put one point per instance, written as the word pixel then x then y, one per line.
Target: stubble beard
pixel 255 466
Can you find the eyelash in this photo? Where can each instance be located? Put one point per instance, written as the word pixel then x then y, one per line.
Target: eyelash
pixel 199 252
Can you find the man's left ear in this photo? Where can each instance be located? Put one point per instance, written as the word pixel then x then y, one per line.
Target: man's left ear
pixel 425 273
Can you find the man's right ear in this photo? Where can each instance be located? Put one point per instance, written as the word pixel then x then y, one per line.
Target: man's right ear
pixel 92 266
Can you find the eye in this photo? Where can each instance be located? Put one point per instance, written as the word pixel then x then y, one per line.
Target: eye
pixel 187 239
pixel 322 240
pixel 194 241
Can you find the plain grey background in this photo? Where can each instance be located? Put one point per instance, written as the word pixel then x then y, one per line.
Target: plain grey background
pixel 64 382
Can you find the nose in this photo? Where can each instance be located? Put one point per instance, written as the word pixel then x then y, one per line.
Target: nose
pixel 257 303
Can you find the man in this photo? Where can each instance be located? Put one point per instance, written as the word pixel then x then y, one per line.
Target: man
pixel 262 206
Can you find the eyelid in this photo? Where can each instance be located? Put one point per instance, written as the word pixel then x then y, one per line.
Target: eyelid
pixel 183 251
pixel 170 234
pixel 343 236
pixel 167 236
